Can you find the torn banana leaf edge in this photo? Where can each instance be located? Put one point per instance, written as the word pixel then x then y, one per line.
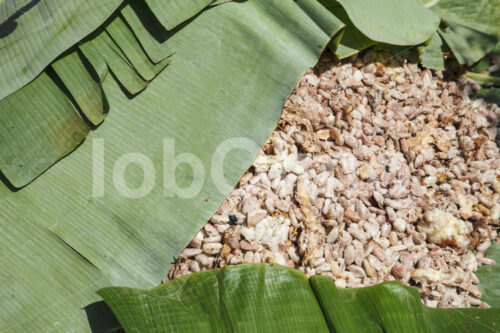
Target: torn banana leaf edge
pixel 70 100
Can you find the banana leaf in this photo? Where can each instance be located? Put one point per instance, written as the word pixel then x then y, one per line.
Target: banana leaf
pixel 484 79
pixel 489 276
pixel 83 87
pixel 472 27
pixel 273 298
pixel 34 140
pixel 397 22
pixel 481 15
pixel 173 12
pixel 148 31
pixel 467 44
pixel 77 228
pixel 431 55
pixel 34 136
pixel 351 40
pixel 485 63
pixel 34 32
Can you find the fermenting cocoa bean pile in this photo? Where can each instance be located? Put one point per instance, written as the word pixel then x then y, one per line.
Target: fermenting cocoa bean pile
pixel 374 173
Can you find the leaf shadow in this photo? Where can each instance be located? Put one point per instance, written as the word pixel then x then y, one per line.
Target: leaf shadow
pixel 9 26
pixel 7 183
pixel 101 318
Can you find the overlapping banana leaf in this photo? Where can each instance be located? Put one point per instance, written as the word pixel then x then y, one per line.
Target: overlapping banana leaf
pixel 485 63
pixel 351 41
pixel 34 32
pixel 470 29
pixel 431 55
pixel 272 298
pixel 486 74
pixel 392 21
pixel 172 13
pixel 131 45
pixel 370 22
pixel 64 235
pixel 32 141
pixel 481 15
pixel 468 45
pixel 72 230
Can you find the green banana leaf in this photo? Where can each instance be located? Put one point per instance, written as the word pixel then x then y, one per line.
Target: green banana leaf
pixel 148 31
pixel 351 40
pixel 431 55
pixel 76 228
pixel 398 22
pixel 34 32
pixel 132 46
pixel 484 78
pixel 173 12
pixel 32 145
pixel 481 15
pixel 86 91
pixel 473 28
pixel 38 134
pixel 273 298
pixel 467 44
pixel 485 63
pixel 470 29
pixel 325 20
pixel 489 276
